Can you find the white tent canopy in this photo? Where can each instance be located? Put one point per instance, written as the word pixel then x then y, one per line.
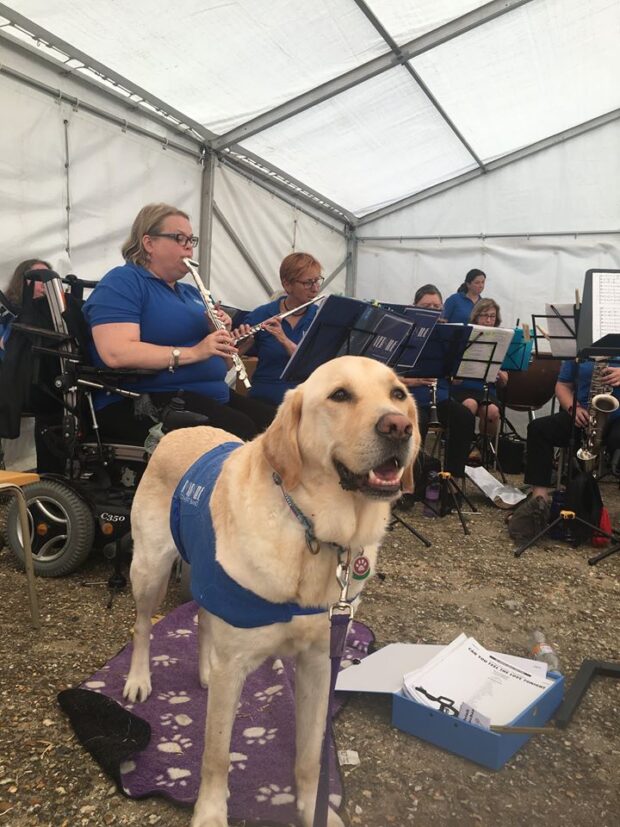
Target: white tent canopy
pixel 401 142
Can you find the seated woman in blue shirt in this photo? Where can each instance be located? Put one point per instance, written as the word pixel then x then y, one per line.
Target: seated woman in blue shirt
pixel 471 392
pixel 275 343
pixel 459 306
pixel 143 317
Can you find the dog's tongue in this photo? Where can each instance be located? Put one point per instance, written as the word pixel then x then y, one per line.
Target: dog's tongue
pixel 385 474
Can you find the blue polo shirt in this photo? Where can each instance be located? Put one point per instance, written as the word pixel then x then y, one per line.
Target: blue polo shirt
pixel 457 308
pixel 194 536
pixel 272 356
pixel 422 394
pixel 568 370
pixel 173 317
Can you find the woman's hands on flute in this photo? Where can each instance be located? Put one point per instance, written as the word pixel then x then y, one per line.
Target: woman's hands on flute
pixel 218 343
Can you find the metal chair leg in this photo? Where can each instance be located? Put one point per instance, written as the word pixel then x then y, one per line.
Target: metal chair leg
pixel 23 519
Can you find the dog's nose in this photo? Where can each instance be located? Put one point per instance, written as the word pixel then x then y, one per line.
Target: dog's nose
pixel 395 426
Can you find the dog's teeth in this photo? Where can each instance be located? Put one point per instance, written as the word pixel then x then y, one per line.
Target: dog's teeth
pixel 373 479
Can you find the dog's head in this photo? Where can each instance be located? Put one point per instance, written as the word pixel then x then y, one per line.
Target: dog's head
pixel 353 420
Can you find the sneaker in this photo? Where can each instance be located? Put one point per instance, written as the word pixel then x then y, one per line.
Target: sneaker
pixel 529 519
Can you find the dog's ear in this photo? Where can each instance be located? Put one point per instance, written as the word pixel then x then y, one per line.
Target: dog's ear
pixel 280 442
pixel 406 483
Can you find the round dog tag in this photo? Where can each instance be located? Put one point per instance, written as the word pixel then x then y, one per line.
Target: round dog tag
pixel 361 568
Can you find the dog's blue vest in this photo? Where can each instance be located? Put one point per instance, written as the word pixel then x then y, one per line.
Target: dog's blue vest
pixel 192 530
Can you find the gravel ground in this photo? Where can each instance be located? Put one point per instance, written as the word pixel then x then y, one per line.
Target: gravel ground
pixel 472 584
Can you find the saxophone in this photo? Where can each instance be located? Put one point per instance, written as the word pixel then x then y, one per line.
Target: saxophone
pixel 601 403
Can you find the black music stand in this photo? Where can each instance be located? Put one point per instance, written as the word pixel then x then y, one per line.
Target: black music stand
pixel 562 334
pixel 343 326
pixel 440 358
pixel 484 357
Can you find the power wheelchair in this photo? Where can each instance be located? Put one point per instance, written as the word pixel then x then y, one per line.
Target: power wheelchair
pixel 86 503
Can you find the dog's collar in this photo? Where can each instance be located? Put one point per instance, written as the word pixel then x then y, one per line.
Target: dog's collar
pixel 312 541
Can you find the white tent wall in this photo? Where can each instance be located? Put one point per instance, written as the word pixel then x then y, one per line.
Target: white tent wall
pixel 32 155
pixel 564 193
pixel 269 229
pixel 111 172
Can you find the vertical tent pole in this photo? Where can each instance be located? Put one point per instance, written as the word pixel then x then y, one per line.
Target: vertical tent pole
pixel 206 216
pixel 351 275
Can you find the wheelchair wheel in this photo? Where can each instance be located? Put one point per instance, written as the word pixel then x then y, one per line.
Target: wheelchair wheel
pixel 62 528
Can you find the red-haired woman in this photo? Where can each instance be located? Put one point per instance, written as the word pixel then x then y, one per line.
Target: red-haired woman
pixel 274 344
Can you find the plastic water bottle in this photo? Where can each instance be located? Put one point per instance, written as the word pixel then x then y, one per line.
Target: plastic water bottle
pixel 431 496
pixel 154 436
pixel 541 650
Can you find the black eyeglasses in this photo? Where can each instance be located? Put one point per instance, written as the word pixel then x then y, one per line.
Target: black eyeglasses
pixel 312 282
pixel 180 238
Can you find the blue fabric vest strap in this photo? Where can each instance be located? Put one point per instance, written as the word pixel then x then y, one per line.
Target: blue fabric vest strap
pixel 193 533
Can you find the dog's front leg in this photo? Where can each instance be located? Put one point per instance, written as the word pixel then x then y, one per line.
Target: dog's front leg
pixel 312 674
pixel 149 579
pixel 225 684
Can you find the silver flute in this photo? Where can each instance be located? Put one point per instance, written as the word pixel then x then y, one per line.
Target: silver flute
pixel 217 323
pixel 255 328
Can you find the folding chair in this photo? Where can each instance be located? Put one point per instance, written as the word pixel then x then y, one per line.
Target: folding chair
pixel 11 482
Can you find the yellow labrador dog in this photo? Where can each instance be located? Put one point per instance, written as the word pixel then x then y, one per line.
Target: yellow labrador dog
pixel 342 447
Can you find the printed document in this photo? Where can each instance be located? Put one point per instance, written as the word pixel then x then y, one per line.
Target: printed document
pixel 560 322
pixel 484 353
pixel 466 672
pixel 605 304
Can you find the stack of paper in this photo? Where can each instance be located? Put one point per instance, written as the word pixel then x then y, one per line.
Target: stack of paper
pixel 496 687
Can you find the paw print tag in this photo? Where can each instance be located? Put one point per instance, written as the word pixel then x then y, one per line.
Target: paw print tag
pixel 361 568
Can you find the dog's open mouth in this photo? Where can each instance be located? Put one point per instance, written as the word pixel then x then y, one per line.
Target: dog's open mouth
pixel 381 481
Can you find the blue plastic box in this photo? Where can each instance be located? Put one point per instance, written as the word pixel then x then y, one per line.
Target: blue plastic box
pixel 491 749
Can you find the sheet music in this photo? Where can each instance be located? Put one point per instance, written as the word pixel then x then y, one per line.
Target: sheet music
pixel 466 672
pixel 481 359
pixel 605 304
pixel 560 322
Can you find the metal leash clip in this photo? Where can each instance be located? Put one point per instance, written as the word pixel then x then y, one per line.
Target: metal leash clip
pixel 343 572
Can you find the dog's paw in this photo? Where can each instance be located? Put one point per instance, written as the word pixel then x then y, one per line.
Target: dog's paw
pixel 137 688
pixel 207 817
pixel 333 819
pixel 203 675
pixel 306 816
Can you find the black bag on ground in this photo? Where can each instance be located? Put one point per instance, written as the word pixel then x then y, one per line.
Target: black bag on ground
pixel 511 453
pixel 583 496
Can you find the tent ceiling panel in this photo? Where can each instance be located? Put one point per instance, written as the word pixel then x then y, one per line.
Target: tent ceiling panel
pixel 219 63
pixel 527 75
pixel 368 146
pixel 406 21
pixel 507 74
pixel 524 197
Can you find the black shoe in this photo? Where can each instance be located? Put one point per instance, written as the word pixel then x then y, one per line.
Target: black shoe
pixel 406 502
